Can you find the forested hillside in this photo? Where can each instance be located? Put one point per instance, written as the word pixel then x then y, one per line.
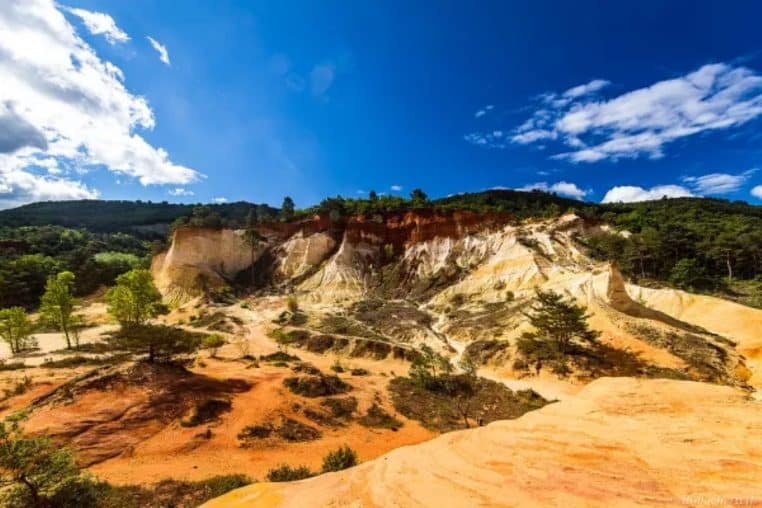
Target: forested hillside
pixel 143 218
pixel 697 244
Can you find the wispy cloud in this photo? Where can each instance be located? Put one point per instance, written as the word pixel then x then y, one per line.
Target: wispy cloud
pixel 321 78
pixel 562 188
pixel 180 191
pixel 757 191
pixel 220 200
pixel 396 188
pixel 160 48
pixel 718 183
pixel 640 122
pixel 586 89
pixel 65 111
pixel 631 193
pixel 99 23
pixel 486 109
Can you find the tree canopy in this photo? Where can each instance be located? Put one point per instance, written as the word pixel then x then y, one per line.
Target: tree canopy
pixel 135 299
pixel 57 304
pixel 557 322
pixel 15 328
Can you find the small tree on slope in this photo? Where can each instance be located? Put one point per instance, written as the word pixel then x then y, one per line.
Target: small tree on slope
pixel 15 328
pixel 134 300
pixel 57 304
pixel 557 322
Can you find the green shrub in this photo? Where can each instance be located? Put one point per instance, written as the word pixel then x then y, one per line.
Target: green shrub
pixel 341 407
pixel 286 473
pixel 213 342
pixel 279 356
pixel 255 432
pixel 292 304
pixel 11 365
pixel 19 388
pixel 337 367
pixel 341 458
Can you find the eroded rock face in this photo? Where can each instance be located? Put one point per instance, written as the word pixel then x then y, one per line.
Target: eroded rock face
pixel 618 443
pixel 200 259
pixel 474 275
pixel 334 259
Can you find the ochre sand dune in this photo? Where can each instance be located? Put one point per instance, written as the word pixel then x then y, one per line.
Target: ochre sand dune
pixel 619 442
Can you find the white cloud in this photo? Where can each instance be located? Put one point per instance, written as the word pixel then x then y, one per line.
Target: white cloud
pixel 180 191
pixel 757 191
pixel 321 78
pixel 631 193
pixel 160 48
pixel 396 188
pixel 99 23
pixel 562 188
pixel 586 89
pixel 18 187
pixel 486 109
pixel 718 183
pixel 220 200
pixel 643 121
pixel 54 84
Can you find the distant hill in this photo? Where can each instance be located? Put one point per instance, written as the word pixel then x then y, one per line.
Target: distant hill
pixel 135 216
pixel 113 216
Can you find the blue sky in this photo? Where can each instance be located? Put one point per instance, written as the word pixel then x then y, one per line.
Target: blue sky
pixel 257 100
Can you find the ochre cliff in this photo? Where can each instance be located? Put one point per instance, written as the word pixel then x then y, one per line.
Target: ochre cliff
pixel 200 259
pixel 472 274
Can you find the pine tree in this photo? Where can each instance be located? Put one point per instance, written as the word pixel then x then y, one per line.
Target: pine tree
pixel 287 208
pixel 558 322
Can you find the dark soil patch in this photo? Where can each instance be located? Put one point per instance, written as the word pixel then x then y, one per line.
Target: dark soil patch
pixel 206 411
pixel 288 429
pixel 217 321
pixel 306 368
pixel 376 417
pixel 341 407
pixel 398 318
pixel 371 349
pixel 71 362
pixel 485 351
pixel 437 410
pixel 316 386
pixel 295 431
pixel 279 356
pixel 178 494
pixel 490 321
pixel 706 360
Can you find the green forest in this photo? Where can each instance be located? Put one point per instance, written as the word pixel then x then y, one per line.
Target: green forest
pixel 698 244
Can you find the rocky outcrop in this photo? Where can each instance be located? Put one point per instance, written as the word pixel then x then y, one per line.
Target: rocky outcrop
pixel 340 258
pixel 201 259
pixel 620 442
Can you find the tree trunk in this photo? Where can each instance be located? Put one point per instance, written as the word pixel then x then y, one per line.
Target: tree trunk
pixel 33 492
pixel 730 267
pixel 66 335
